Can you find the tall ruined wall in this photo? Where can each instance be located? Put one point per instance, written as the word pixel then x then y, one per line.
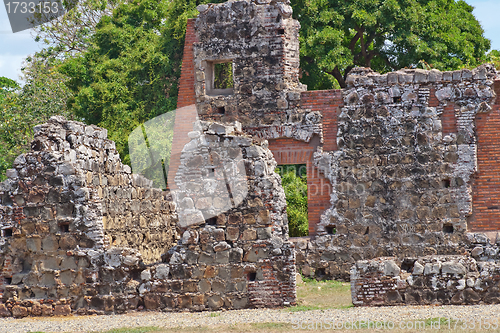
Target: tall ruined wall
pixel 402 174
pixel 232 212
pixel 260 39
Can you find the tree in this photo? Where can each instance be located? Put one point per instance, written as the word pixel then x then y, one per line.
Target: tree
pixel 8 90
pixel 43 95
pixel 69 34
pixel 385 35
pixel 130 70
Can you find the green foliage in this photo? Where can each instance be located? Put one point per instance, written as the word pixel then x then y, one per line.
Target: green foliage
pixel 43 96
pixel 494 58
pixel 385 35
pixel 294 181
pixel 223 75
pixel 130 70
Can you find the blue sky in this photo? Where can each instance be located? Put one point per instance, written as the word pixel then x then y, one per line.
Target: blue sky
pixel 16 47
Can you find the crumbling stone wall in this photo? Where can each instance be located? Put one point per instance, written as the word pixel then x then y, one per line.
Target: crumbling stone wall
pixel 56 260
pixel 233 217
pixel 401 185
pixel 430 280
pixel 72 190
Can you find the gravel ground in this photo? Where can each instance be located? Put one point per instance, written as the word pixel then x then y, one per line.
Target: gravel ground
pixel 405 315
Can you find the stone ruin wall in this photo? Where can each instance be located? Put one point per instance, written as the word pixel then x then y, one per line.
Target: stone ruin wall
pixel 402 176
pixel 430 280
pixel 399 152
pixel 81 234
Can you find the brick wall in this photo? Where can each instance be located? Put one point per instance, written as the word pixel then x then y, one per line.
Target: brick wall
pixel 486 185
pixel 186 110
pixel 328 103
pixel 448 119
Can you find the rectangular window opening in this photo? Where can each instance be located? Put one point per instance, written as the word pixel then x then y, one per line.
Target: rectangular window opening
pixel 219 79
pixel 294 182
pixel 331 230
pixel 252 276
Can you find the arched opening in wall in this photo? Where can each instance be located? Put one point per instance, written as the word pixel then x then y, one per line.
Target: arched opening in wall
pixel 294 182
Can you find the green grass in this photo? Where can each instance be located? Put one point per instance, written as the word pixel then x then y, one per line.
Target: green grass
pixel 320 295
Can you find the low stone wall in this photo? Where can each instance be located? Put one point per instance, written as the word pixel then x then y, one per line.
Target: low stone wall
pixel 430 280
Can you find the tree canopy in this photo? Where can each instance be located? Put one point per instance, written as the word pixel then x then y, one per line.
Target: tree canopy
pixel 129 72
pixel 386 35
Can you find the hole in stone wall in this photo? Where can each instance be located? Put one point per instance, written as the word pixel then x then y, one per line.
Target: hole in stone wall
pixel 396 99
pixel 8 280
pixel 493 207
pixel 448 228
pixel 446 183
pixel 252 276
pixel 64 227
pixel 281 31
pixel 407 264
pixel 331 230
pixel 7 232
pixel 367 231
pixel 221 110
pixel 211 221
pixel 320 272
pixel 211 172
pixel 294 182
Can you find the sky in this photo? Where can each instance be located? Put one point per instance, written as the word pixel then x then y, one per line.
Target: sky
pixel 14 48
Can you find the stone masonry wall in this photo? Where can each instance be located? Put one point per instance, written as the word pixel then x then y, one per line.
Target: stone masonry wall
pixel 87 259
pixel 401 185
pixel 71 192
pixel 430 280
pixel 260 39
pixel 233 218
